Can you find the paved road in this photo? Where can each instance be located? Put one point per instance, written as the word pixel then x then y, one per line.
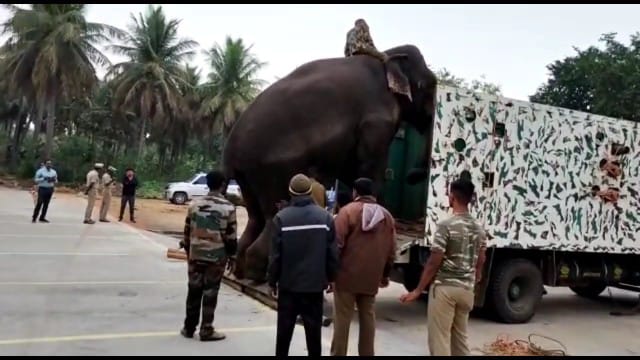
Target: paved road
pixel 106 289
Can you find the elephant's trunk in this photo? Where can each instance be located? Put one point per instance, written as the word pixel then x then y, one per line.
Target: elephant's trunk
pixel 421 170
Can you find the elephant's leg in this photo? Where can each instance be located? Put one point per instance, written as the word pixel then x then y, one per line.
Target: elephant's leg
pixel 255 224
pixel 373 148
pixel 250 234
pixel 258 253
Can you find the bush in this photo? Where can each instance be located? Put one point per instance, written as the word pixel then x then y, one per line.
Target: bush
pixel 151 189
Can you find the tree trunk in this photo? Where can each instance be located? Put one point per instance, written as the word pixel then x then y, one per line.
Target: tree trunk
pixel 16 142
pixel 51 116
pixel 143 135
pixel 37 122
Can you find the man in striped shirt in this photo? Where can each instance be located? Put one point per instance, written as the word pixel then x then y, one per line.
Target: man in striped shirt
pixel 303 263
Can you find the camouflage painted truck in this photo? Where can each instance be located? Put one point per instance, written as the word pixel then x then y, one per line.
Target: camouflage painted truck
pixel 557 191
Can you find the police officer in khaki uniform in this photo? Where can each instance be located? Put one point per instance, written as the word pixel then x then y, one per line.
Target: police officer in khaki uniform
pixel 93 181
pixel 107 185
pixel 453 268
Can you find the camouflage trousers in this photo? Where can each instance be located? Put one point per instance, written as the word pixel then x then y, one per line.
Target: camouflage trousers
pixel 204 284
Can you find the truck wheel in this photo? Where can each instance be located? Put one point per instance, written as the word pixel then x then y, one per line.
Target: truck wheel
pixel 590 291
pixel 179 198
pixel 515 291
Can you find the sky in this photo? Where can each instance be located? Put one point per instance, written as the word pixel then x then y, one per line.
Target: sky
pixel 509 45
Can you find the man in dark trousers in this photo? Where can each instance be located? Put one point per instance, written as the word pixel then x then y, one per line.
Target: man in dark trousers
pixel 46 178
pixel 129 186
pixel 303 263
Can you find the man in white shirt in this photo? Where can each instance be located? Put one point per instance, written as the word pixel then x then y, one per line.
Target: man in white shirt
pixel 46 178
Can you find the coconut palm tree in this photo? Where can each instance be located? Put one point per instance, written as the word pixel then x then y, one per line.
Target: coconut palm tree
pixel 232 83
pixel 51 54
pixel 148 83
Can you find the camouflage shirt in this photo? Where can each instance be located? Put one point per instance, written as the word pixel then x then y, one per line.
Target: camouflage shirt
pixel 359 41
pixel 210 229
pixel 460 238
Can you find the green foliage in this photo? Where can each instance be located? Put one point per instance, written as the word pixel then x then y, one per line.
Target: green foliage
pixel 150 113
pixel 597 80
pixel 447 78
pixel 151 189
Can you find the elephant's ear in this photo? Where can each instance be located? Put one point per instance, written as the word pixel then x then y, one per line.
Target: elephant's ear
pixel 396 78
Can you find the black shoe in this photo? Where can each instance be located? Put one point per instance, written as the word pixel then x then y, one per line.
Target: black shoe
pixel 104 220
pixel 43 220
pixel 213 336
pixel 120 218
pixel 90 222
pixel 133 221
pixel 186 334
pixel 33 220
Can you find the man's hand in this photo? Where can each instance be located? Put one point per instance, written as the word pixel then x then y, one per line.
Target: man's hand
pixel 410 297
pixel 384 282
pixel 331 287
pixel 274 292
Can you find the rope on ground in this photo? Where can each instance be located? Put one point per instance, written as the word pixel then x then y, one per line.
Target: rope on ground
pixel 504 346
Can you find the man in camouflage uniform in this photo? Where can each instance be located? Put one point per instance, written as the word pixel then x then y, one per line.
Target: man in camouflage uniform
pixel 360 42
pixel 210 241
pixel 456 262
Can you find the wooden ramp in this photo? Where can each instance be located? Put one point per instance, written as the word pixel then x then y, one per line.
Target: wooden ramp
pixel 258 292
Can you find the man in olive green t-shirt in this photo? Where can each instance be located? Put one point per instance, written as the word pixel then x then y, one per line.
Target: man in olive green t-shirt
pixel 455 265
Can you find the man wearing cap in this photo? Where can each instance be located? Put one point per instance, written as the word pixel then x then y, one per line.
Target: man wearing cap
pixel 93 180
pixel 107 184
pixel 303 263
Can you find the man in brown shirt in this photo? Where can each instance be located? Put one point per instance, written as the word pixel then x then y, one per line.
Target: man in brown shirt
pixel 365 233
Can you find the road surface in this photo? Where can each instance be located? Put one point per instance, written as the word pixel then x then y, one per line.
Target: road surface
pixel 106 289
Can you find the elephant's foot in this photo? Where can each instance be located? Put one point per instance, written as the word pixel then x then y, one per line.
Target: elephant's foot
pixel 256 267
pixel 250 234
pixel 238 272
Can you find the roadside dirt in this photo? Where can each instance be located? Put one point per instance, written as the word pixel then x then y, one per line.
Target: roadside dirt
pixel 156 215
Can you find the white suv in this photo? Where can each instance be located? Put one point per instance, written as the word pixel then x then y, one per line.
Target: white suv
pixel 181 192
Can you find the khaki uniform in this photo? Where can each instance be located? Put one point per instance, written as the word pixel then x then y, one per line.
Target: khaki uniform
pixel 210 239
pixel 92 178
pixel 107 185
pixel 318 193
pixel 451 295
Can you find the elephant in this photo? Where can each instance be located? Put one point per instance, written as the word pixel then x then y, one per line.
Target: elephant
pixel 335 115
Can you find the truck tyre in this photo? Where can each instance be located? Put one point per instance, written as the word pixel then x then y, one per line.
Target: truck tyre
pixel 590 291
pixel 179 198
pixel 515 291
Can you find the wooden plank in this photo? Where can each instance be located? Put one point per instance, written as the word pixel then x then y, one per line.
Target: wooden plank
pixel 260 292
